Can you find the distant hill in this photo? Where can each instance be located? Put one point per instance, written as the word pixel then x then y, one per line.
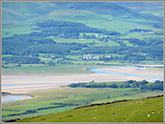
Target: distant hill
pixel 29 10
pixel 9 16
pixel 140 110
pixel 72 15
pixel 143 6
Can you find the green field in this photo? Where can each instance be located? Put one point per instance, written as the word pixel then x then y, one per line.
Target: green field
pixel 139 110
pixel 32 69
pixel 41 103
pixel 156 69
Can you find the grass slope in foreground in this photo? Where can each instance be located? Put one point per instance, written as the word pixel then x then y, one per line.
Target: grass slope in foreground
pixel 140 110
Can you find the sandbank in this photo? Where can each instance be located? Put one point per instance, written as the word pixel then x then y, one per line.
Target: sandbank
pixel 133 71
pixel 61 80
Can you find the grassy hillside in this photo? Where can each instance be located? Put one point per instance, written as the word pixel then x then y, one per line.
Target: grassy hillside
pixel 139 110
pixel 30 9
pixel 155 8
pixel 95 14
pixel 37 9
pixel 65 98
pixel 11 16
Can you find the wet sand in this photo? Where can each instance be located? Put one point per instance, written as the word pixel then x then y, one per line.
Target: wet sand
pixel 65 79
pixel 139 71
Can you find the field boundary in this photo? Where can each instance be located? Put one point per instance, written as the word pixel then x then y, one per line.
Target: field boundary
pixel 14 120
pixel 116 102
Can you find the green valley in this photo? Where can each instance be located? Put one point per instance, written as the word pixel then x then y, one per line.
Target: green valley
pixel 48 49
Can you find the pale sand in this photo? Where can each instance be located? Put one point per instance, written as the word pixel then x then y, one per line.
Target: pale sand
pixel 68 79
pixel 134 71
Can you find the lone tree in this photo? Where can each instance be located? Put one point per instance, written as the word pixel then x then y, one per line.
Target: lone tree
pixel 144 82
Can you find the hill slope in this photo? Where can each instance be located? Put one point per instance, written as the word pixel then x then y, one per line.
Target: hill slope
pixel 141 110
pixel 37 9
pixel 11 16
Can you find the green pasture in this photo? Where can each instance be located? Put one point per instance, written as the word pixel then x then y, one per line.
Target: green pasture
pixel 8 32
pixel 107 44
pixel 72 57
pixel 128 43
pixel 151 62
pixel 6 55
pixel 17 28
pixel 49 70
pixel 141 36
pixel 139 110
pixel 63 40
pixel 108 25
pixel 80 96
pixel 115 23
pixel 138 95
pixel 45 59
pixel 156 69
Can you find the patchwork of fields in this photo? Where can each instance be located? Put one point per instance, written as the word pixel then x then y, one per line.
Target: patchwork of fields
pixel 46 46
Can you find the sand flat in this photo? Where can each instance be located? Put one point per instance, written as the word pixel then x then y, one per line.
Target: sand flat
pixel 29 88
pixel 133 71
pixel 64 79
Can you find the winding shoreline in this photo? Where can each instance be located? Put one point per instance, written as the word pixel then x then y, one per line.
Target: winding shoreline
pixel 26 84
pixel 9 98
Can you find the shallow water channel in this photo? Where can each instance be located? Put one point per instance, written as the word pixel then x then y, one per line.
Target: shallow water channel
pixel 9 98
pixel 97 70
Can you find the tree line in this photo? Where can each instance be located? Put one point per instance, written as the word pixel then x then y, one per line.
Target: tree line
pixel 67 29
pixel 142 85
pixel 21 60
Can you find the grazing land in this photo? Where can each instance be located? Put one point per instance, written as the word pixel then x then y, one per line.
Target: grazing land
pixel 139 110
pixel 45 102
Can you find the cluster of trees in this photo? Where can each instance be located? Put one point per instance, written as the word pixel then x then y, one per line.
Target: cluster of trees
pixel 65 104
pixel 5 93
pixel 155 42
pixel 140 30
pixel 27 112
pixel 10 110
pixel 93 85
pixel 158 25
pixel 67 29
pixel 142 85
pixel 157 85
pixel 152 53
pixel 52 23
pixel 21 60
pixel 24 46
pixel 135 41
pixel 14 46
